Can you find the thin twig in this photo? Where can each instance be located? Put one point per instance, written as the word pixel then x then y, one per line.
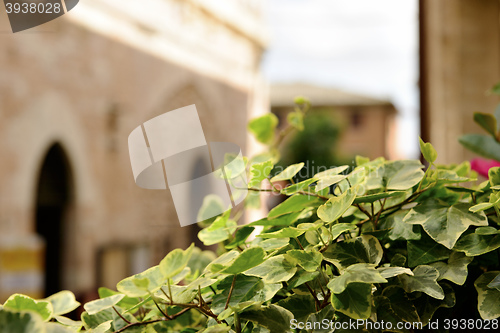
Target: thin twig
pixel 119 315
pixel 314 296
pixel 230 292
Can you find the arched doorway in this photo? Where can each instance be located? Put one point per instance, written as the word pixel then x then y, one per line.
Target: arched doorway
pixel 53 196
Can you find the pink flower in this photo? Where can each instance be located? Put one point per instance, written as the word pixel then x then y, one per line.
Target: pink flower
pixel 482 166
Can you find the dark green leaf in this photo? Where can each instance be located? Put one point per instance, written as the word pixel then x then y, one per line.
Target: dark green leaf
pixel 246 288
pixel 295 203
pixel 355 301
pixel 483 145
pixel 486 121
pixel 273 317
pixel 443 223
pixel 240 237
pixel 424 279
pixel 300 305
pixel 456 268
pixel 487 299
pixel 247 259
pixel 425 251
pixel 365 273
pixel 398 229
pixel 362 249
pixel 307 259
pixel 476 243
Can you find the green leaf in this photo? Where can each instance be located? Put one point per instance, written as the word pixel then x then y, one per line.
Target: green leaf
pixel 365 273
pixel 295 203
pixel 246 288
pixel 19 302
pixel 340 228
pixel 274 243
pixel 301 277
pixel 331 172
pixel 93 321
pixel 424 279
pixel 283 233
pixel 483 145
pixel 240 237
pixel 425 251
pixel 355 301
pixel 427 306
pixel 456 268
pixel 450 176
pixel 378 196
pixel 98 305
pixel 428 151
pixel 263 128
pixel 212 206
pixel 259 172
pixel 487 298
pixel 75 325
pixel 296 120
pixel 222 262
pixel 288 173
pixel 401 304
pixel 495 90
pixel 360 160
pixel 486 121
pixel 103 327
pixel 326 315
pixel 494 176
pixel 402 175
pixel 283 220
pixel 478 243
pixel 337 206
pixel 300 305
pixel 220 230
pixel 481 207
pixel 247 259
pixel 299 187
pixel 20 322
pixel 307 259
pixel 388 272
pixel 273 317
pixel 325 182
pixel 443 223
pixel 275 269
pixel 495 283
pixel 362 249
pixel 143 283
pixel 398 229
pixel 63 302
pixel 218 328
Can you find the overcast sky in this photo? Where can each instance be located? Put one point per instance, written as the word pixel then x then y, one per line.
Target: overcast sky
pixel 363 46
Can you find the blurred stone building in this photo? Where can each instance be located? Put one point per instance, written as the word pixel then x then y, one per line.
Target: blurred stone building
pixel 459 62
pixel 367 123
pixel 72 90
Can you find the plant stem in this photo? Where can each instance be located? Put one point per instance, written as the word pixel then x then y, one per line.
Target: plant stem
pixel 230 292
pixel 119 315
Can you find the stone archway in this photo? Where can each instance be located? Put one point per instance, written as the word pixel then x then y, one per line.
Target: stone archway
pixel 54 194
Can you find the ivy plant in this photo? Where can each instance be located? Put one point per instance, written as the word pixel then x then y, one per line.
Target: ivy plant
pixel 377 241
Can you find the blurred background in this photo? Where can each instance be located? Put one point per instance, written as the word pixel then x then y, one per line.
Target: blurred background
pixel 378 74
